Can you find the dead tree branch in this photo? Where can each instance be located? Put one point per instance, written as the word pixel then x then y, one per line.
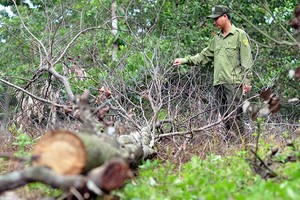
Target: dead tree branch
pixel 102 179
pixel 32 95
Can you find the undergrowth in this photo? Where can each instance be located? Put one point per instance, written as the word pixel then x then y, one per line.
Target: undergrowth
pixel 215 177
pixel 209 175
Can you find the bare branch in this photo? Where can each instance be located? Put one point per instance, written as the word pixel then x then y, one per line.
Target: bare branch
pixel 64 80
pixel 293 43
pixel 63 52
pixel 32 95
pixel 43 174
pixel 32 35
pixel 204 127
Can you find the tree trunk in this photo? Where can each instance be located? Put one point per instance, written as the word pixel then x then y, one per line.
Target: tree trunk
pixel 87 162
pixel 69 153
pixel 62 158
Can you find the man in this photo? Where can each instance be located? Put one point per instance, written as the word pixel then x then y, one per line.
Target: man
pixel 231 55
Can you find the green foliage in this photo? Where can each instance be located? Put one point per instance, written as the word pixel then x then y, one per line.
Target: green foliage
pixel 22 141
pixel 215 177
pixel 47 190
pixel 162 114
pixel 169 28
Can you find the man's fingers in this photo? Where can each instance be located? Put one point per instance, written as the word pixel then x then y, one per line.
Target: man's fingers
pixel 176 63
pixel 246 88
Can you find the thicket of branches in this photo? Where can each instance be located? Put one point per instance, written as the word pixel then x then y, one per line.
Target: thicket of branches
pixel 122 51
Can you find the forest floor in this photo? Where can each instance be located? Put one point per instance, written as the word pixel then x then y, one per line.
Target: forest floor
pixel 176 149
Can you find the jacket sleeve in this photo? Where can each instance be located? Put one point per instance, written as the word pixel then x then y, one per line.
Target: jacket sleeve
pixel 246 58
pixel 206 55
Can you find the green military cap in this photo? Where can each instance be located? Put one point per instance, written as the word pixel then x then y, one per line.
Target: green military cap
pixel 218 11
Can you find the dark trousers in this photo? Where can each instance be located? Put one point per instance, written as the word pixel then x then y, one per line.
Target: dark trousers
pixel 229 99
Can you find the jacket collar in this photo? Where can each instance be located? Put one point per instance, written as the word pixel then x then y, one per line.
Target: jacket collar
pixel 231 30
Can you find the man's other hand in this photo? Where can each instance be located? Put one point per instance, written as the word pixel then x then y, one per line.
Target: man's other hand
pixel 177 62
pixel 246 88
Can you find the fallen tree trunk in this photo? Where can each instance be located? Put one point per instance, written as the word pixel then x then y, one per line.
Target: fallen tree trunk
pixel 69 153
pixel 87 162
pixel 84 161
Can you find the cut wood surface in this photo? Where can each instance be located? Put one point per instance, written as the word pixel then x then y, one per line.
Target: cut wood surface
pixel 62 151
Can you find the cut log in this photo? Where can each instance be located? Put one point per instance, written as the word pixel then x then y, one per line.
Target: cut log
pixel 105 161
pixel 69 153
pixel 62 158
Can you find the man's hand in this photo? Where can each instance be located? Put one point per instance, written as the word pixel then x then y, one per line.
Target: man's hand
pixel 177 62
pixel 246 88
